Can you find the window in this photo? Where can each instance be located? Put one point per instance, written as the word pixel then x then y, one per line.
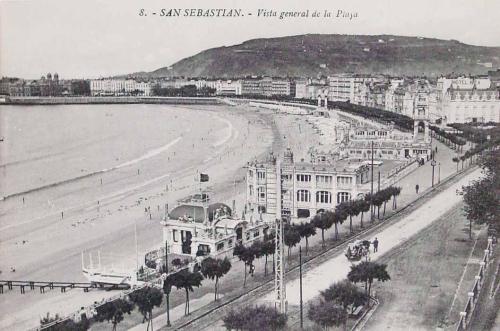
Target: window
pixel 303 196
pixel 303 178
pixel 174 236
pixel 250 173
pixel 256 233
pixel 250 190
pixel 303 213
pixel 261 175
pixel 320 179
pixel 248 235
pixel 261 209
pixel 261 192
pixel 220 246
pixel 323 197
pixel 344 180
pixel 343 197
pixel 203 250
pixel 230 243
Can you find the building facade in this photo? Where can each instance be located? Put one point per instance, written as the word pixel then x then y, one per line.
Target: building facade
pixel 303 188
pixel 228 87
pixel 197 227
pixel 343 87
pixel 119 87
pixel 468 99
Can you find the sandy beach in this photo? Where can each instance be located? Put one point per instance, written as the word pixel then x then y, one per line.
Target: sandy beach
pixel 149 156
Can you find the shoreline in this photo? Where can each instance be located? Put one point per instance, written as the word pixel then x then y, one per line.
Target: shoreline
pixel 114 230
pixel 33 101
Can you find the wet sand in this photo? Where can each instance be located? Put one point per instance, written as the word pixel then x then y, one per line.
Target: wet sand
pixel 219 142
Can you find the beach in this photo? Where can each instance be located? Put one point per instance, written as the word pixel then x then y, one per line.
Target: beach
pixel 146 156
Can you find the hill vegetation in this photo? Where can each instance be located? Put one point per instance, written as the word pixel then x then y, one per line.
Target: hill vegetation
pixel 312 55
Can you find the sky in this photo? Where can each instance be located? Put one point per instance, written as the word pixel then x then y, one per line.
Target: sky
pixel 98 38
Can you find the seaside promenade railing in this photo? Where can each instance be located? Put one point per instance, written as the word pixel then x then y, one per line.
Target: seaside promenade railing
pixel 473 295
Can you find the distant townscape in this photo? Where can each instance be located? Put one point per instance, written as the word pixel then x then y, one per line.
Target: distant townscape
pixel 450 99
pixel 263 190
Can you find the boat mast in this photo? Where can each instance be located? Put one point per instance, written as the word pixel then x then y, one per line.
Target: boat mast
pixel 136 247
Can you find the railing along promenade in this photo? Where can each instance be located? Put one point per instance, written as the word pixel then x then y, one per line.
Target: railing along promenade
pixel 470 306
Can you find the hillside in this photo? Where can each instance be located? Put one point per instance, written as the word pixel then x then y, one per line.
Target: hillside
pixel 310 55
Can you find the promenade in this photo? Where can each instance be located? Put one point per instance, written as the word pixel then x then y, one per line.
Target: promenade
pixel 390 237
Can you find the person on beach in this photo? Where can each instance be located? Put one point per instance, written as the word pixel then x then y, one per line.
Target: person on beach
pixel 375 245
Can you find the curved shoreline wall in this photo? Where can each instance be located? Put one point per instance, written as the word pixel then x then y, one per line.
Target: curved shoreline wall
pixel 110 100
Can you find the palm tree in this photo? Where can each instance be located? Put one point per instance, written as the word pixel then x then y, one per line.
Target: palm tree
pixel 268 248
pixel 215 269
pixel 323 221
pixel 366 272
pixel 113 311
pixel 351 208
pixel 257 249
pixel 306 230
pixel 377 199
pixel 386 195
pixel 395 191
pixel 456 160
pixel 187 280
pixel 247 255
pixel 291 237
pixel 363 206
pixel 339 216
pixel 146 299
pixel 167 289
pixel 240 251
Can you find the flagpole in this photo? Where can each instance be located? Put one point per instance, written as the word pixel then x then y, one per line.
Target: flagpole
pixel 136 249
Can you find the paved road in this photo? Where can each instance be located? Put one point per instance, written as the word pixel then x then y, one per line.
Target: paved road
pixel 337 268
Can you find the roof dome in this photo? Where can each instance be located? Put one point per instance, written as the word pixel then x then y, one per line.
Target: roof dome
pixel 196 212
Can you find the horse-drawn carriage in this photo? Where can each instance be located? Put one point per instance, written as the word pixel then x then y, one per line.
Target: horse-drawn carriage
pixel 356 250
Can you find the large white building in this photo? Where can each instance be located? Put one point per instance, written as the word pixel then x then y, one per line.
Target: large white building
pixel 228 87
pixel 119 87
pixel 303 188
pixel 181 82
pixel 343 87
pixel 468 99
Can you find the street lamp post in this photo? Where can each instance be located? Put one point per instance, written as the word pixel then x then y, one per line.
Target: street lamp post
pixel 433 164
pixel 300 277
pixel 439 172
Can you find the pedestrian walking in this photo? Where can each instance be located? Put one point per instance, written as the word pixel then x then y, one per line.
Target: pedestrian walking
pixel 416 188
pixel 375 245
